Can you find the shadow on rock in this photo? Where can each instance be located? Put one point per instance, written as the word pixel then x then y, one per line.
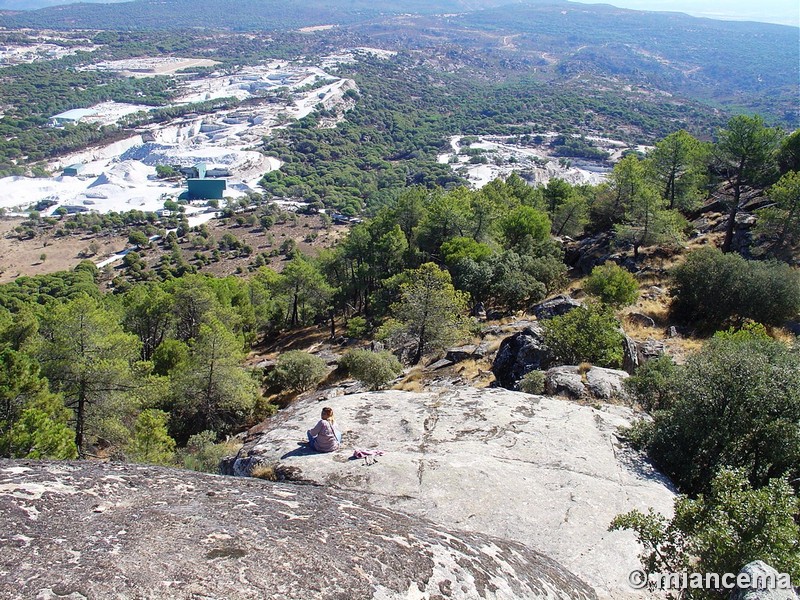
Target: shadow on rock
pixel 301 450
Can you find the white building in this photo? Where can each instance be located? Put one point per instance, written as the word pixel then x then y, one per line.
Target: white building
pixel 71 116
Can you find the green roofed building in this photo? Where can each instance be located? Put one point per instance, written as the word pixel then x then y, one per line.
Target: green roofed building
pixel 206 189
pixel 73 170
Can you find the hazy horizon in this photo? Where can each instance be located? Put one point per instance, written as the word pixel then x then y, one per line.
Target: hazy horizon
pixel 781 12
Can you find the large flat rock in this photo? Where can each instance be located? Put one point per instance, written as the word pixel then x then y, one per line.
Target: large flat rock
pixel 548 473
pixel 82 531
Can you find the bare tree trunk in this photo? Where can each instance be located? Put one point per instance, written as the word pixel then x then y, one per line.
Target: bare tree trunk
pixel 420 344
pixel 80 418
pixel 737 195
pixel 731 225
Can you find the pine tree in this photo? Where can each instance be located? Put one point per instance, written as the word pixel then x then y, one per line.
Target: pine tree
pixel 745 157
pixel 211 389
pixel 87 357
pixel 677 166
pixel 430 310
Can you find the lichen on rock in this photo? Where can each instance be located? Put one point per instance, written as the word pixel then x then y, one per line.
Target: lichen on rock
pixel 85 530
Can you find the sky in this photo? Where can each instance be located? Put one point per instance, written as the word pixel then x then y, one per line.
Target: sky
pixel 784 12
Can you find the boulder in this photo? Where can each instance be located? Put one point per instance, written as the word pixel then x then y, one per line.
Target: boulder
pixel 331 358
pixel 555 307
pixel 654 292
pixel 745 220
pixel 98 530
pixel 605 384
pixel 588 252
pixel 462 353
pixel 518 355
pixel 757 203
pixel 439 364
pixel 267 365
pixel 759 573
pixel 635 354
pixel 637 318
pixel 650 349
pixel 564 381
pixel 630 355
pixel 597 383
pixel 546 472
pixel 492 330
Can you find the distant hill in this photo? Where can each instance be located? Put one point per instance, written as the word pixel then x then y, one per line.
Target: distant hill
pixel 238 11
pixel 738 66
pixel 36 4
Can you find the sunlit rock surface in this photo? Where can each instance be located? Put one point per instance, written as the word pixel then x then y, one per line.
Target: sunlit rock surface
pixel 546 472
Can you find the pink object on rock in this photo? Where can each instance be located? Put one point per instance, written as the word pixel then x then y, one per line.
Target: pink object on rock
pixel 364 452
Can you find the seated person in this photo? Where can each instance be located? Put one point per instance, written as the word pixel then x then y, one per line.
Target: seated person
pixel 324 437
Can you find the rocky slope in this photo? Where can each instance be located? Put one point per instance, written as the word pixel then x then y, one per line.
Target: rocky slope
pixel 545 472
pixel 91 530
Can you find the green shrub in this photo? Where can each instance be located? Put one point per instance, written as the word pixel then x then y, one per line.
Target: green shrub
pixel 151 441
pixel 298 371
pixel 203 453
pixel 390 329
pixel 356 327
pixel 89 267
pixel 532 383
pixel 720 531
pixel 40 431
pixel 711 288
pixel 748 332
pixel 585 334
pixel 374 369
pixel 735 404
pixel 138 238
pixel 612 285
pixel 652 385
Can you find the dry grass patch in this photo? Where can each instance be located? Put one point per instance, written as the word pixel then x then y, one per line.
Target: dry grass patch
pixel 657 309
pixel 782 335
pixel 412 382
pixel 409 386
pixel 680 348
pixel 584 368
pixel 493 345
pixel 266 472
pixel 640 332
pixel 477 372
